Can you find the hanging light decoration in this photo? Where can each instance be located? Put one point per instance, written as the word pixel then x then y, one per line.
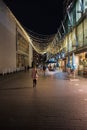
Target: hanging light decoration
pixel 41 43
pixel 45 43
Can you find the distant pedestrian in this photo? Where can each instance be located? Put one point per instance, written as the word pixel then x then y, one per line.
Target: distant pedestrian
pixel 34 76
pixel 44 69
pixel 25 68
pixel 28 67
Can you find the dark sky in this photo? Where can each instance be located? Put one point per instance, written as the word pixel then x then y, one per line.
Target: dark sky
pixel 40 16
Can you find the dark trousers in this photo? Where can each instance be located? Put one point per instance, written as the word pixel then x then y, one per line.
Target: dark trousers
pixel 34 82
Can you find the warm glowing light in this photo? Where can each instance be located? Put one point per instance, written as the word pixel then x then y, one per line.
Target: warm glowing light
pixel 48 46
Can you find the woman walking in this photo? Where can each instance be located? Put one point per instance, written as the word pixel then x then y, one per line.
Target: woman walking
pixel 34 76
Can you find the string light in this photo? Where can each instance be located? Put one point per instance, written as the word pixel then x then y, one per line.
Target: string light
pixel 41 43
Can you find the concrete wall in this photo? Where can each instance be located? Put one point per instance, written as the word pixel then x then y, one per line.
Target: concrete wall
pixel 7 39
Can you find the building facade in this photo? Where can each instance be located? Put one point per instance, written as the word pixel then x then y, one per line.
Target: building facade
pixel 74 39
pixel 15 47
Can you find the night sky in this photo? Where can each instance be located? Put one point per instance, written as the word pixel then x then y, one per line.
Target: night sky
pixel 40 16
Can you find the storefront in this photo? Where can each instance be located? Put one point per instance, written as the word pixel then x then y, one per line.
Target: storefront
pixel 82 68
pixel 22 55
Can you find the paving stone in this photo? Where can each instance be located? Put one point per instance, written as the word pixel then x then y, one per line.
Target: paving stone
pixel 55 103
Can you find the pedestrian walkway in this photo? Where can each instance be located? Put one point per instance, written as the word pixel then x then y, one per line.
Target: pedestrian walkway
pixel 55 104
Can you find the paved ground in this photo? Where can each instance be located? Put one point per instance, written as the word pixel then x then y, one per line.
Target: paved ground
pixel 55 104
